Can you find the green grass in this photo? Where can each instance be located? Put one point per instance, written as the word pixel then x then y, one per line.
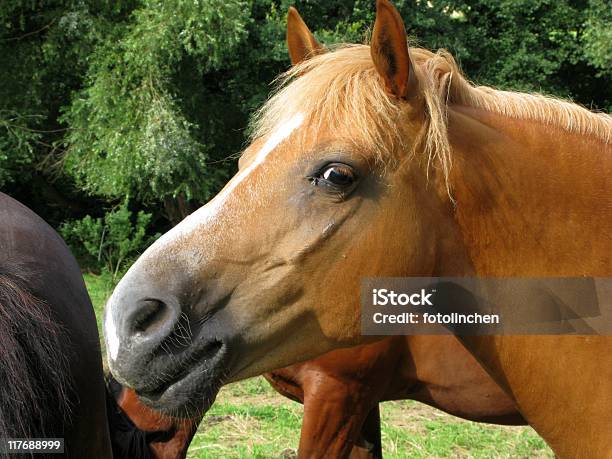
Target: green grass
pixel 240 426
pixel 250 420
pixel 100 287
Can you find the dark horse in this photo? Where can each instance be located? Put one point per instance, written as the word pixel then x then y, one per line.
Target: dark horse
pixel 50 360
pixel 52 384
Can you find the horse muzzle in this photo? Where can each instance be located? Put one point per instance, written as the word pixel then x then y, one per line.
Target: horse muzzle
pixel 174 363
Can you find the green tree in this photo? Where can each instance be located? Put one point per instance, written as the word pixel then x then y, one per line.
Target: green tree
pixel 113 241
pixel 128 133
pixel 597 37
pixel 148 98
pixel 44 52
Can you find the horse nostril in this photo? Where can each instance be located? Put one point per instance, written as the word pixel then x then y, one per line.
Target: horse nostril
pixel 150 316
pixel 141 327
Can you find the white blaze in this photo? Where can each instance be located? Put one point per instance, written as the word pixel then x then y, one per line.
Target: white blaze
pixel 207 212
pixel 111 335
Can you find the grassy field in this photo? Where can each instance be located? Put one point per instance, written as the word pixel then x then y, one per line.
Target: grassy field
pixel 250 420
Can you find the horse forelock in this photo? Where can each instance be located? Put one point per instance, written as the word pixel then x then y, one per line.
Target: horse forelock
pixel 34 394
pixel 341 90
pixel 335 92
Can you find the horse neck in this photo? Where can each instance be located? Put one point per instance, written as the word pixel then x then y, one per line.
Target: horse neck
pixel 531 199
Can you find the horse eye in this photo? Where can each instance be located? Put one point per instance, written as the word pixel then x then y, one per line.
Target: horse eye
pixel 339 175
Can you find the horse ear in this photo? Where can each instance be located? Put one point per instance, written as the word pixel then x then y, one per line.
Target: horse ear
pixel 389 49
pixel 301 42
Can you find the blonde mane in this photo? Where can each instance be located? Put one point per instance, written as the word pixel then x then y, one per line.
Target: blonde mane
pixel 341 90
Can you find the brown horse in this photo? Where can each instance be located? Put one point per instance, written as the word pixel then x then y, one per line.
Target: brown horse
pixel 379 161
pixel 146 433
pixel 341 390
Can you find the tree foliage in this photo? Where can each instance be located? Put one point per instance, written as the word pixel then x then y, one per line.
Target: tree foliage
pixel 110 242
pixel 146 100
pixel 129 135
